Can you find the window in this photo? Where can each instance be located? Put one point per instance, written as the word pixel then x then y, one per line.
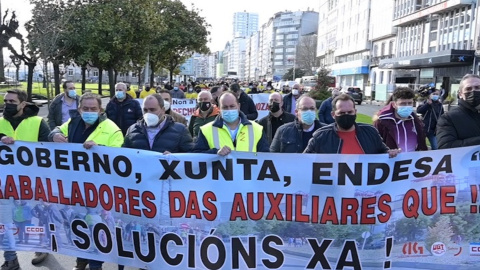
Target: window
pixel 70 72
pixel 382 49
pixel 390 47
pixel 95 73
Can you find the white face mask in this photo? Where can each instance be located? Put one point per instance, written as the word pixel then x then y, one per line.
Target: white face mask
pixel 166 105
pixel 294 92
pixel 151 119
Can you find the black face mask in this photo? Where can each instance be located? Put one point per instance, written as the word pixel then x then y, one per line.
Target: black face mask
pixel 10 110
pixel 473 98
pixel 147 88
pixel 205 106
pixel 345 121
pixel 274 107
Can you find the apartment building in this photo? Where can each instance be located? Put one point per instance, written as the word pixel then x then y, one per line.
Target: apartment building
pixel 435 42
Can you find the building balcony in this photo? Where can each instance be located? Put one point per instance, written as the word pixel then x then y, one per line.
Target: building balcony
pixel 423 13
pixel 374 61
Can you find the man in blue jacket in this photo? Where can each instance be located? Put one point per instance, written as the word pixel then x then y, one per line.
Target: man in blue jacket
pixel 123 109
pixel 294 136
pixel 325 111
pixel 157 131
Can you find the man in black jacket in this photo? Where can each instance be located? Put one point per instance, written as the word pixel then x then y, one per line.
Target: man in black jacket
pixel 431 110
pixel 123 109
pixel 345 136
pixel 247 106
pixel 290 100
pixel 157 131
pixel 276 116
pixel 58 112
pixel 293 137
pixel 461 125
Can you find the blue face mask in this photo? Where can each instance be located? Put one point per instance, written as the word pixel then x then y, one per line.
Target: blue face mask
pixel 120 94
pixel 230 116
pixel 175 88
pixel 404 111
pixel 435 97
pixel 72 94
pixel 308 117
pixel 90 117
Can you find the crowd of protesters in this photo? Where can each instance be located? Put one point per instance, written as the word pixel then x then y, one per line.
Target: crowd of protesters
pixel 224 122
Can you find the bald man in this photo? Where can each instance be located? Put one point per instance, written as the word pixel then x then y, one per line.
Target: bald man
pixel 276 116
pixel 123 109
pixel 230 131
pixel 206 112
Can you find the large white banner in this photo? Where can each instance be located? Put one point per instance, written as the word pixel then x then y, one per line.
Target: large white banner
pixel 242 211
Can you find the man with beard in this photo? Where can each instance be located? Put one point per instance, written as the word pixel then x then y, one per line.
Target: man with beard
pixel 20 122
pixel 276 116
pixel 461 125
pixel 345 136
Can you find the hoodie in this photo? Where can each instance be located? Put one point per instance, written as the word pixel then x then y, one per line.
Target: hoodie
pixel 397 133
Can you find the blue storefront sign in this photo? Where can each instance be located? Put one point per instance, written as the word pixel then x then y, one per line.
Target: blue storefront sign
pixel 350 71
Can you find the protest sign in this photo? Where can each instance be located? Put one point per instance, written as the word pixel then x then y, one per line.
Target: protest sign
pixel 243 211
pixel 186 107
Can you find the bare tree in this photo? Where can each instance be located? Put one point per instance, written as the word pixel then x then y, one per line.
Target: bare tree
pixel 307 54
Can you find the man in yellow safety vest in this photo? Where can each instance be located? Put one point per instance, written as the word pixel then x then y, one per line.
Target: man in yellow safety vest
pixel 20 123
pixel 230 131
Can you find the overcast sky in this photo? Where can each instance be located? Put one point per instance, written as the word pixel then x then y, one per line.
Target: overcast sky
pixel 218 13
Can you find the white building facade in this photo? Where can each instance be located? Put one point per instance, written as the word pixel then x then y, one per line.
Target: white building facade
pixel 435 43
pixel 244 24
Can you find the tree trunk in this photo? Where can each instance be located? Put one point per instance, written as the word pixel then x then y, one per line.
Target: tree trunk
pixel 171 75
pixel 111 81
pixel 139 77
pixel 56 77
pixel 116 77
pixel 84 77
pixel 152 74
pixel 31 68
pixel 16 74
pixel 100 78
pixel 46 81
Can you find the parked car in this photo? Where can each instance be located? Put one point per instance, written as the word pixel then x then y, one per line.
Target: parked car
pixel 355 92
pixel 376 244
pixel 10 81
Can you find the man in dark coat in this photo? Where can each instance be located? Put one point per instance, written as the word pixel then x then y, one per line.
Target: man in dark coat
pixel 461 125
pixel 123 109
pixel 247 106
pixel 157 131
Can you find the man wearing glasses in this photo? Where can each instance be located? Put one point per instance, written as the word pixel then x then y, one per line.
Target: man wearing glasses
pixel 398 125
pixel 293 137
pixel 461 125
pixel 345 136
